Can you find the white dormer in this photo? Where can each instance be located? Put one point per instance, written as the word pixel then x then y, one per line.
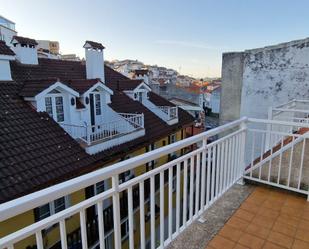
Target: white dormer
pixel 6 55
pixel 25 50
pixel 94 60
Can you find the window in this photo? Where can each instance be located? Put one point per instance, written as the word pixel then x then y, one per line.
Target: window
pixel 54 107
pixel 59 109
pixel 48 105
pixel 52 208
pixel 173 140
pixel 97 104
pixel 99 188
pixel 125 229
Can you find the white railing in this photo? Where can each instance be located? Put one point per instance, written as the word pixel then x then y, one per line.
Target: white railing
pixel 194 180
pixel 182 189
pixel 127 123
pixel 277 154
pixel 170 111
pixel 137 120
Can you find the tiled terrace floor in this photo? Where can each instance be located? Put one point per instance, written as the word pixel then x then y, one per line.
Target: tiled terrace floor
pixel 267 219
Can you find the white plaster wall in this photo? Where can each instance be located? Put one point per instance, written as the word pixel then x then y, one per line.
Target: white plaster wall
pixel 26 55
pixel 94 64
pixel 7 35
pixel 5 70
pixel 274 75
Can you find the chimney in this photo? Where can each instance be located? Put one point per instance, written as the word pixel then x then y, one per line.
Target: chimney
pixel 94 60
pixel 6 55
pixel 25 50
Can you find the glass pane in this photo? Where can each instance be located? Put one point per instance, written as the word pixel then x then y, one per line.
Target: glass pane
pixel 59 109
pixel 44 211
pixel 48 106
pixel 59 204
pixel 97 104
pixel 59 101
pixel 99 187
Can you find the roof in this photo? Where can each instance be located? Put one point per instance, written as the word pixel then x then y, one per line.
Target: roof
pixel 35 152
pixel 141 71
pixel 95 45
pixel 5 50
pixel 24 40
pixel 126 84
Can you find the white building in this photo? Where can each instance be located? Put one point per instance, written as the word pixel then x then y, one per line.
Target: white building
pixel 7 30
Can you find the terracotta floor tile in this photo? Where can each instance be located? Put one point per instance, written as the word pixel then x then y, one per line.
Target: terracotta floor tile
pixel 284 229
pixel 306 215
pixel 303 224
pixel 269 245
pixel 258 231
pixel 298 244
pixel 280 239
pixel 273 205
pixel 252 208
pixel 220 242
pixel 268 212
pixel 251 241
pixel 230 233
pixel 238 223
pixel 302 234
pixel 290 220
pixel 239 246
pixel 257 200
pixel 244 215
pixel 296 212
pixel 263 221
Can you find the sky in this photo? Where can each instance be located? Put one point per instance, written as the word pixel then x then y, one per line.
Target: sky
pixel 189 36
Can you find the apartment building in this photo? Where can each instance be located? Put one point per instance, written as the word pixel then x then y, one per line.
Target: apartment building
pixel 63 119
pixel 7 30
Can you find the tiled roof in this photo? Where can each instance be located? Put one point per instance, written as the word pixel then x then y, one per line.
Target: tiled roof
pixel 5 50
pixel 33 87
pixel 96 45
pixel 25 40
pixel 36 152
pixel 127 84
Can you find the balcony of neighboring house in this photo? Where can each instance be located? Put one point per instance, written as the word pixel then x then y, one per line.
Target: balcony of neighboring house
pixel 244 185
pixel 105 135
pixel 140 91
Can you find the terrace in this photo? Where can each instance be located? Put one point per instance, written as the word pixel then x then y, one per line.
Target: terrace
pixel 185 203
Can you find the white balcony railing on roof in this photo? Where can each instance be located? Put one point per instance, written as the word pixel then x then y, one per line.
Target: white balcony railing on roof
pixel 105 131
pixel 188 185
pixel 170 111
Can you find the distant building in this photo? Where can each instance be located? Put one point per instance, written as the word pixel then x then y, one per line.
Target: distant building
pixel 7 30
pixel 70 57
pixel 52 46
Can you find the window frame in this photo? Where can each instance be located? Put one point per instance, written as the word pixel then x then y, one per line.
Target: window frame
pixel 53 104
pixel 52 207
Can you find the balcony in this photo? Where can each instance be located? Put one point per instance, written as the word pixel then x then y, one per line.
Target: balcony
pixel 189 187
pixel 106 135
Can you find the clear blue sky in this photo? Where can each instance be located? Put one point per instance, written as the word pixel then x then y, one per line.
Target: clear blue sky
pixel 181 34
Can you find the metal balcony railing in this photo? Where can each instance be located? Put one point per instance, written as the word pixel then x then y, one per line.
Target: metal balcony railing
pixel 187 185
pixel 126 124
pixel 170 111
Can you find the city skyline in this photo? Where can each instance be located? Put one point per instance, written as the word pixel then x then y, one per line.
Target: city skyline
pixel 188 37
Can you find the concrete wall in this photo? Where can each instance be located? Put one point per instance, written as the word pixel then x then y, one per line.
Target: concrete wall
pixel 232 74
pixel 255 79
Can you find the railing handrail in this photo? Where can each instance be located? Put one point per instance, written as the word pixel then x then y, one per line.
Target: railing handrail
pixel 30 201
pixel 278 122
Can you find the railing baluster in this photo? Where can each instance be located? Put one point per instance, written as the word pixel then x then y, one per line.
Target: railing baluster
pixel 225 164
pixel 63 235
pixel 291 161
pixel 170 202
pixel 197 188
pixel 301 163
pixel 203 175
pixel 130 214
pixel 101 224
pixel 270 159
pixel 185 180
pixel 262 153
pixel 280 160
pixel 162 209
pixel 213 172
pixel 208 175
pixel 178 198
pixel 142 214
pixel 191 188
pixel 152 213
pixel 83 229
pixel 116 212
pixel 39 240
pixel 218 171
pixel 253 152
pixel 222 153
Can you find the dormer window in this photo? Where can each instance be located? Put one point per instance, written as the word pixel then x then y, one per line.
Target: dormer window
pixel 54 107
pixel 98 104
